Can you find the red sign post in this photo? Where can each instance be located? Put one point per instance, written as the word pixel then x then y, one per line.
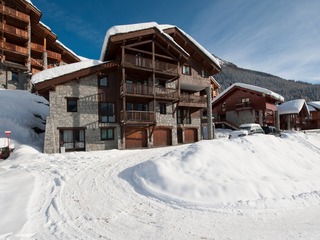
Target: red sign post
pixel 8 138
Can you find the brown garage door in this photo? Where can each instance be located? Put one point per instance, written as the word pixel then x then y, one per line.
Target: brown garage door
pixel 190 135
pixel 136 138
pixel 162 137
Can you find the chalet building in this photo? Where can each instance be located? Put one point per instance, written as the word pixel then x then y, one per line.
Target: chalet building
pixel 148 90
pixel 27 45
pixel 294 115
pixel 243 103
pixel 314 119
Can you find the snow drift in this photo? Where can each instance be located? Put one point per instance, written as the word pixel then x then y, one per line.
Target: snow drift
pixel 242 171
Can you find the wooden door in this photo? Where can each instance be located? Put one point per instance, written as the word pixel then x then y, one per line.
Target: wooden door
pixel 136 138
pixel 162 137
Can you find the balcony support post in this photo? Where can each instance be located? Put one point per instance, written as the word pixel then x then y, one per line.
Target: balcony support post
pixel 29 47
pixel 209 114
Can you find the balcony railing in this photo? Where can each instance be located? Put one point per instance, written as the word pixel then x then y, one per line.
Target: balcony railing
pixel 14 13
pixel 137 116
pixel 243 106
pixel 188 98
pixel 37 62
pixel 138 89
pixel 137 61
pixel 37 47
pixel 15 31
pixel 14 48
pixel 162 92
pixel 53 55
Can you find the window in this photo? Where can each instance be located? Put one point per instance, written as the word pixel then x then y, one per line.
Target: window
pixel 163 108
pixel 107 134
pixel 72 139
pixel 245 102
pixel 186 70
pixel 107 113
pixel 204 73
pixel 103 82
pixel 223 106
pixel 72 104
pixel 183 116
pixel 15 76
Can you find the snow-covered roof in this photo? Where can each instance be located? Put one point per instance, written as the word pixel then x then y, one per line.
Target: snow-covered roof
pixel 292 107
pixel 141 26
pixel 264 91
pixel 315 104
pixel 63 70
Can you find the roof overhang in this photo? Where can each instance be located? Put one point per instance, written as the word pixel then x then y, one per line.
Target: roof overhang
pixel 45 86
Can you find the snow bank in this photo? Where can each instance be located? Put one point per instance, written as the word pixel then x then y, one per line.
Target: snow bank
pixel 20 112
pixel 232 172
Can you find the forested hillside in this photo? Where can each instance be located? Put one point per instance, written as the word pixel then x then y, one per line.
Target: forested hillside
pixel 289 89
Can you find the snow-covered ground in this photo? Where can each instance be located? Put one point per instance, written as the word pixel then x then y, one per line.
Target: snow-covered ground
pixel 256 187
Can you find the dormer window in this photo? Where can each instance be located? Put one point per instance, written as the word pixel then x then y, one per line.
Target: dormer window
pixel 186 70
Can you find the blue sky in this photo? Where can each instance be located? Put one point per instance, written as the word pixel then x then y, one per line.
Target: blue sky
pixel 281 37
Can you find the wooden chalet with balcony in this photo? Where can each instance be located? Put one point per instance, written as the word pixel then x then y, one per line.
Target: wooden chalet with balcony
pixel 153 97
pixel 27 45
pixel 243 103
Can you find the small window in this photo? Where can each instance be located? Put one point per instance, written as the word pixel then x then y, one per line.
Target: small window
pixel 204 73
pixel 107 134
pixel 163 108
pixel 103 82
pixel 15 76
pixel 186 70
pixel 223 106
pixel 72 104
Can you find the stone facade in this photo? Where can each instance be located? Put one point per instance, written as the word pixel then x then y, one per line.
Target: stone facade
pixel 86 90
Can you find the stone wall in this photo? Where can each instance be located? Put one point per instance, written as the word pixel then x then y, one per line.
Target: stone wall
pixel 86 90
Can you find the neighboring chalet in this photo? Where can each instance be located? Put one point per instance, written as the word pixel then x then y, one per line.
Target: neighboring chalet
pixel 243 103
pixel 314 120
pixel 27 45
pixel 148 90
pixel 293 115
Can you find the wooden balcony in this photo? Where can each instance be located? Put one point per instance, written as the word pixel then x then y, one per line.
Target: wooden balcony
pixel 37 47
pixel 141 90
pixel 166 93
pixel 138 117
pixel 192 98
pixel 54 55
pixel 14 13
pixel 138 89
pixel 243 106
pixel 14 48
pixel 16 32
pixel 37 62
pixel 146 63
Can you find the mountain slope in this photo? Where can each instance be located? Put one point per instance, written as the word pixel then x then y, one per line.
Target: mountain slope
pixel 289 89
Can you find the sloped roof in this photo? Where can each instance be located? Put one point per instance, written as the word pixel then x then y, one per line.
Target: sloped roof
pixel 292 107
pixel 46 80
pixel 261 90
pixel 315 105
pixel 121 29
